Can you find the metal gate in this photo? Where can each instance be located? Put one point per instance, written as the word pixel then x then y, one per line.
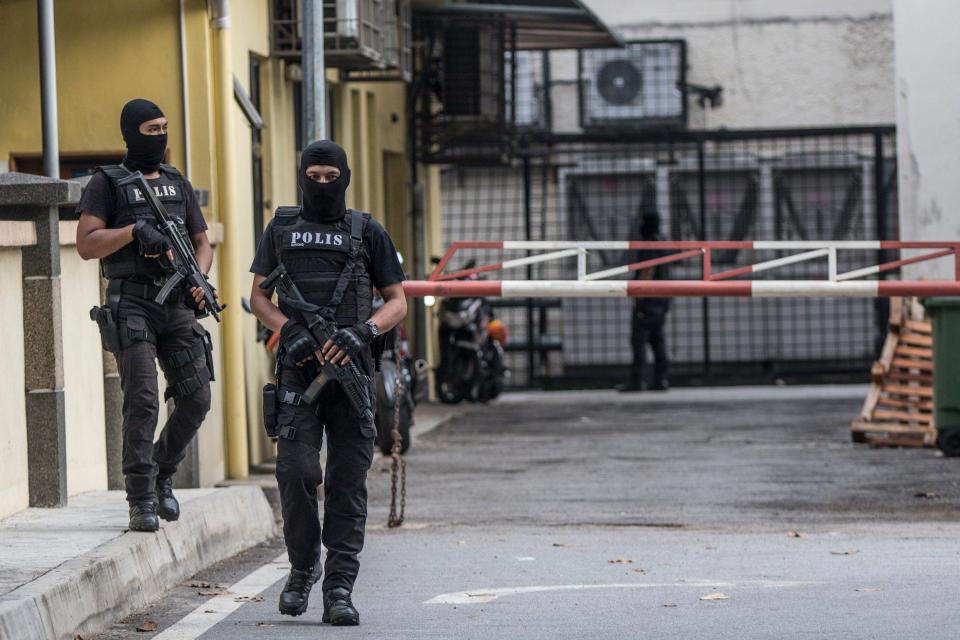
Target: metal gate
pixel 823 184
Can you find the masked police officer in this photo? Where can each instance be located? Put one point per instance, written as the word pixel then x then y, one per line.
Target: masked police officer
pixel 314 242
pixel 117 227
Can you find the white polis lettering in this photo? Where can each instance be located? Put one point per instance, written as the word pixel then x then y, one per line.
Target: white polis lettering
pixel 314 238
pixel 162 191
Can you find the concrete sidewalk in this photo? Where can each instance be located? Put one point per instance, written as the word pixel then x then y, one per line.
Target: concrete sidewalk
pixel 71 571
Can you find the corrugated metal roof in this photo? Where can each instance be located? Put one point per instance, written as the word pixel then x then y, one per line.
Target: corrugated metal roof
pixel 540 24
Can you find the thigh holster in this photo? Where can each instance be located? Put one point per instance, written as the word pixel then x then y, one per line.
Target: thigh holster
pixel 184 378
pixel 294 399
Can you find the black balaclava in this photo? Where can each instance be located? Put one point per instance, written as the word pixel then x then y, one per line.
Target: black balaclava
pixel 144 153
pixel 324 202
pixel 649 224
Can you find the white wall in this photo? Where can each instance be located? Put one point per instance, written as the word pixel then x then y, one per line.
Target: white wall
pixel 928 125
pixel 781 63
pixel 14 487
pixel 82 375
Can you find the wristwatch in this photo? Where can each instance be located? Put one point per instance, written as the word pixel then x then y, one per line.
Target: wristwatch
pixel 373 328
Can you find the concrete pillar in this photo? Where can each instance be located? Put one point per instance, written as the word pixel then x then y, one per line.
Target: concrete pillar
pixel 35 198
pixel 927 56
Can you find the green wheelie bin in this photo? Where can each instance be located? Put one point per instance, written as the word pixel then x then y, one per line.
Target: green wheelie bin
pixel 945 314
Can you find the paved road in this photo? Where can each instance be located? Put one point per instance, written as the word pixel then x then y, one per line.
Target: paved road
pixel 612 516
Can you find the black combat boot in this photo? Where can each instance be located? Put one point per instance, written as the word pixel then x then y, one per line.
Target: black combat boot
pixel 143 516
pixel 296 593
pixel 338 608
pixel 661 385
pixel 167 506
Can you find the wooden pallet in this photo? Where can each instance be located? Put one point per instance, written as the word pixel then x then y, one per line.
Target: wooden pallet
pixel 898 410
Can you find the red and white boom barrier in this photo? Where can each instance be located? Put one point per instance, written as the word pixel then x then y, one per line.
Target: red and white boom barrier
pixel 600 284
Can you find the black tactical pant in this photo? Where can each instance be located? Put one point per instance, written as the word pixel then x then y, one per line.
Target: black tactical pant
pixel 349 456
pixel 168 332
pixel 647 329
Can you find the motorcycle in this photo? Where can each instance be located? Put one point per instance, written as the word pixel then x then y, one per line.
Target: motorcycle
pixel 396 361
pixel 471 352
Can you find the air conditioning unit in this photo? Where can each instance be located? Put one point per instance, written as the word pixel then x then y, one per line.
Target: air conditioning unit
pixel 354 32
pixel 398 53
pixel 639 85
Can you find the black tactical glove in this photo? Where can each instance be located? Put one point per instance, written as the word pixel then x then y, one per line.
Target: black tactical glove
pixel 351 340
pixel 152 242
pixel 297 341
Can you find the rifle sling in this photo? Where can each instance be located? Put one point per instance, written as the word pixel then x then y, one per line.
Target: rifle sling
pixel 357 220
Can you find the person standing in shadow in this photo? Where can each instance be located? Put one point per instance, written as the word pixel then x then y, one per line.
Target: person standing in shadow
pixel 649 315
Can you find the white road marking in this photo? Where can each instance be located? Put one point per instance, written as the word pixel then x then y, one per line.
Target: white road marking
pixel 480 596
pixel 212 611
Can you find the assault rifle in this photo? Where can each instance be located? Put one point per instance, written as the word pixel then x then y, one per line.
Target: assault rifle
pixel 355 383
pixel 185 267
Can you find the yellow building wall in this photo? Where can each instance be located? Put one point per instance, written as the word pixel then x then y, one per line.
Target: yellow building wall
pixel 82 375
pixel 14 488
pixel 369 120
pixel 101 49
pixel 102 61
pixel 93 82
pixel 211 442
pixel 434 247
pixel 249 36
pixel 199 61
pixel 280 157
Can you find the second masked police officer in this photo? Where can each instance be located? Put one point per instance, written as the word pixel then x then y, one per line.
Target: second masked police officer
pixel 117 226
pixel 314 242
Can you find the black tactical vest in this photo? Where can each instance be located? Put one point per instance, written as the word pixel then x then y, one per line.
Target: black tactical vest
pixel 315 254
pixel 170 189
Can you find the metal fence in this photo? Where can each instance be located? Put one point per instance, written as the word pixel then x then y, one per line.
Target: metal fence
pixel 836 184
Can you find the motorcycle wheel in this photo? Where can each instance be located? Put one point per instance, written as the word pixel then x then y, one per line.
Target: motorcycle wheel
pixel 385 432
pixel 493 388
pixel 449 392
pixel 453 388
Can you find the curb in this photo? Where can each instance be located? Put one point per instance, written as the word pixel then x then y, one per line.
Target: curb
pixel 448 414
pixel 86 594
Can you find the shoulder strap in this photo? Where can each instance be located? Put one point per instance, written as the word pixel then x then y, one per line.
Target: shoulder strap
pixel 115 172
pixel 171 170
pixel 287 213
pixel 282 216
pixel 358 220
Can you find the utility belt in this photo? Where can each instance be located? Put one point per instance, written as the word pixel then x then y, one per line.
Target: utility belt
pixel 274 395
pixel 138 288
pixel 107 315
